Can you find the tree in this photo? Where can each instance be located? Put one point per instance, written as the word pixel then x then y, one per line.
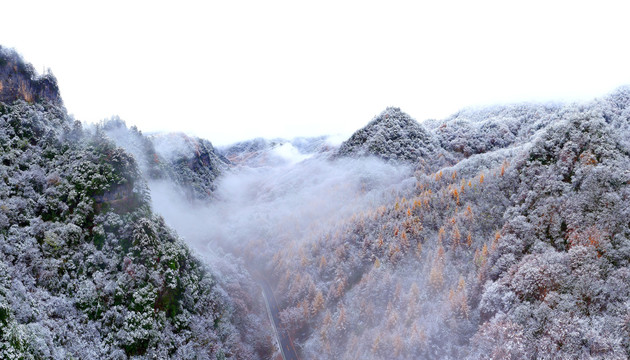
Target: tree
pixel 318 303
pixel 436 276
pixel 342 320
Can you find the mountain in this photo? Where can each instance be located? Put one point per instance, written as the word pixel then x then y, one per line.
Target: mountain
pixel 191 163
pixel 87 270
pixel 481 130
pixel 392 135
pixel 499 232
pixel 263 152
pixel 516 247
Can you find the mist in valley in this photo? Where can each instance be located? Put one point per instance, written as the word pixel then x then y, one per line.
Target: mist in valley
pixel 500 231
pixel 354 258
pixel 387 247
pixel 257 211
pixel 258 215
pixel 451 239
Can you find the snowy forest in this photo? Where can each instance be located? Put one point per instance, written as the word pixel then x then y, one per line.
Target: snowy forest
pixel 499 232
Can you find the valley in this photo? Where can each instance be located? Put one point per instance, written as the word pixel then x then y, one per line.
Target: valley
pixel 498 232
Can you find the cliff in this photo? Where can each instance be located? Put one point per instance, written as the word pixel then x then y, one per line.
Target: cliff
pixel 19 80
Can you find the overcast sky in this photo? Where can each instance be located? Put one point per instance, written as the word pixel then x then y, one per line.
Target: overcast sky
pixel 233 70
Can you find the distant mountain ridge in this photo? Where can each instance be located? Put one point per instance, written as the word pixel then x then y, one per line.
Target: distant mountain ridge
pixel 266 152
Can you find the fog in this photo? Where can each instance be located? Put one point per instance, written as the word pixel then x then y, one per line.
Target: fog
pixel 290 153
pixel 339 241
pixel 258 210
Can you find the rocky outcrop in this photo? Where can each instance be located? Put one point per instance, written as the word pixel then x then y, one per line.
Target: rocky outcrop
pixel 20 81
pixel 194 163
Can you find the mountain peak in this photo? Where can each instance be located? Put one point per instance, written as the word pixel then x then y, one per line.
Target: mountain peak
pixel 391 135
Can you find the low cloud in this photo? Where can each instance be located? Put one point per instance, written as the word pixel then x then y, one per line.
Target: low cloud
pixel 271 207
pixel 290 153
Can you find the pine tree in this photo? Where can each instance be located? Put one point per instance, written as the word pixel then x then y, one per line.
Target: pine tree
pixel 342 320
pixel 318 303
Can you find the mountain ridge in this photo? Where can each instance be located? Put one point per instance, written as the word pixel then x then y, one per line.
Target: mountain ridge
pixel 88 270
pixel 501 232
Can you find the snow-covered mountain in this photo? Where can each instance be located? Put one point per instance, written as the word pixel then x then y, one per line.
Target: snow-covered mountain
pixel 499 232
pixel 87 269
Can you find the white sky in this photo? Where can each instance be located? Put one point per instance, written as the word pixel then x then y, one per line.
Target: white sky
pixel 233 70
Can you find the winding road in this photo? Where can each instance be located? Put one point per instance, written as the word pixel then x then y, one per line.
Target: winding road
pixel 284 338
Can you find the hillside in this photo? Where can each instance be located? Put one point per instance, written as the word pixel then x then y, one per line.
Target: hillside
pixel 517 250
pixel 497 233
pixel 87 269
pixel 512 244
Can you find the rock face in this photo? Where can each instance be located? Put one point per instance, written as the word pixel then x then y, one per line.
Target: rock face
pixel 392 135
pixel 194 163
pixel 18 80
pixel 189 162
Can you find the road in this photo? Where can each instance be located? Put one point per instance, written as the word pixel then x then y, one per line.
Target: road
pixel 284 338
